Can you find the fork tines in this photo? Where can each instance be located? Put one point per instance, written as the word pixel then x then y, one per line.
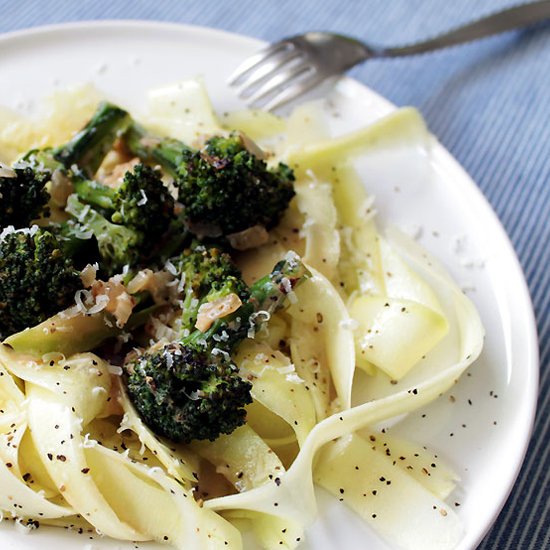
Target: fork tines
pixel 273 76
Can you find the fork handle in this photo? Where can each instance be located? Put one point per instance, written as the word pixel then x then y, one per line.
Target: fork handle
pixel 506 20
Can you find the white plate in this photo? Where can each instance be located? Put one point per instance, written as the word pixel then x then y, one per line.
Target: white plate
pixel 124 59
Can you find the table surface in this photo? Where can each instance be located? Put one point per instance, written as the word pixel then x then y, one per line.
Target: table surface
pixel 488 103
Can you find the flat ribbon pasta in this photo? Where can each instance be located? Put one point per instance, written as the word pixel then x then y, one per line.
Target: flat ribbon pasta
pixel 294 498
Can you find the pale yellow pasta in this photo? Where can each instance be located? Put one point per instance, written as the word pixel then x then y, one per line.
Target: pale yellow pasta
pixel 74 451
pixel 277 387
pixel 369 488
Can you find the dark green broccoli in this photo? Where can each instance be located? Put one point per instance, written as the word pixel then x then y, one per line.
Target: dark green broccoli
pixel 227 186
pixel 185 393
pixel 224 188
pixel 141 202
pixel 36 279
pixel 190 389
pixel 208 274
pixel 128 222
pixel 23 196
pixel 118 245
pixel 76 242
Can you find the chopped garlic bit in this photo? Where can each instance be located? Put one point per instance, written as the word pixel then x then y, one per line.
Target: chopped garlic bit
pixel 157 283
pixel 249 238
pixel 216 309
pixel 116 300
pixel 88 275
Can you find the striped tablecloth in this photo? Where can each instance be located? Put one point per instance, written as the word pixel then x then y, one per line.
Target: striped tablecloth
pixel 488 103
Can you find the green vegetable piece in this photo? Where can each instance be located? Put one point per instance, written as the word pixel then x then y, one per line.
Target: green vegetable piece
pixel 128 222
pixel 88 148
pixel 190 389
pixel 208 274
pixel 185 394
pixel 23 196
pixel 118 245
pixel 36 279
pixel 224 188
pixel 65 334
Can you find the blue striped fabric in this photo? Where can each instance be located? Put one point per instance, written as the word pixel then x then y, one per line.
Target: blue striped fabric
pixel 488 103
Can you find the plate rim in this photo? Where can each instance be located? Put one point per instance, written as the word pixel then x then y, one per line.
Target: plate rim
pixel 439 151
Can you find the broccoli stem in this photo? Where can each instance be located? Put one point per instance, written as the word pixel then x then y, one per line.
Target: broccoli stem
pixel 85 152
pixel 167 152
pixel 116 243
pixel 267 294
pixel 270 292
pixel 172 154
pixel 95 193
pixel 88 147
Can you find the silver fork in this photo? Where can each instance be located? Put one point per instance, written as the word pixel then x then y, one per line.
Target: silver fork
pixel 289 68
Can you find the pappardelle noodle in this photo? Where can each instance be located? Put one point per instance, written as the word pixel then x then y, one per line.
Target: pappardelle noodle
pixel 201 322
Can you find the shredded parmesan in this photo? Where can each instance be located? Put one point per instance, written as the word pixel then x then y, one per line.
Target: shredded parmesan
pixel 143 199
pixel 88 443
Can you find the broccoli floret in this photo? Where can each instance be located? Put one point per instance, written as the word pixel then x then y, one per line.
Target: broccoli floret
pixel 224 188
pixel 183 393
pixel 36 279
pixel 230 188
pixel 266 296
pixel 23 196
pixel 190 389
pixel 118 245
pixel 141 202
pixel 76 242
pixel 129 221
pixel 207 273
